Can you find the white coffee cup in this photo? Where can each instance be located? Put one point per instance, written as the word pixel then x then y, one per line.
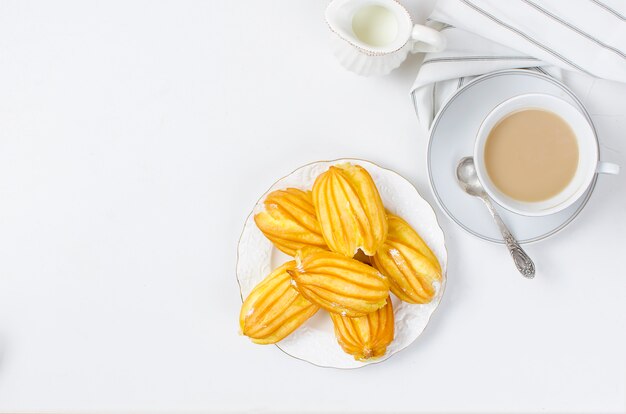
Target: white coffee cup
pixel 588 153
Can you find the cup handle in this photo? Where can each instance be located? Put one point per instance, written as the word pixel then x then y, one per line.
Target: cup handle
pixel 427 39
pixel 607 168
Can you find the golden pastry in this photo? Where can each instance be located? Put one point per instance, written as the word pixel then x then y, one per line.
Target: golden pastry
pixel 349 209
pixel 408 262
pixel 365 337
pixel 289 221
pixel 274 309
pixel 339 284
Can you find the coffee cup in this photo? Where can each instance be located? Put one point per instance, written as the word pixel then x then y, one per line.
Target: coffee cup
pixel 549 154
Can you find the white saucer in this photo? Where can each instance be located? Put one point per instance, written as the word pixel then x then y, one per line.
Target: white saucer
pixel 452 138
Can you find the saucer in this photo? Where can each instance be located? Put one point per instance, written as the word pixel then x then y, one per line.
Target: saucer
pixel 452 138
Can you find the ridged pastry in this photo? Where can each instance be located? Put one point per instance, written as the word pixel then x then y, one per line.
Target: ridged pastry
pixel 274 309
pixel 350 210
pixel 365 337
pixel 290 221
pixel 339 284
pixel 408 262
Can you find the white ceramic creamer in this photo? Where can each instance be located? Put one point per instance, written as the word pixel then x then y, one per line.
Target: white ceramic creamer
pixel 373 37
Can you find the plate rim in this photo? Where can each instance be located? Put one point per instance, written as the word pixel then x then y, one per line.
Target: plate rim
pixel 445 249
pixel 481 78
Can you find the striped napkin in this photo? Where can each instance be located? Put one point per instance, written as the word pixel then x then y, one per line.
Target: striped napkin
pixel 555 37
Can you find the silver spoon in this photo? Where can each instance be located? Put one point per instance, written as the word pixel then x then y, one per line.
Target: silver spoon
pixel 468 180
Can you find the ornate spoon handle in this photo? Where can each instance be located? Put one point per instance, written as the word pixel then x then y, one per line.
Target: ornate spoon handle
pixel 523 263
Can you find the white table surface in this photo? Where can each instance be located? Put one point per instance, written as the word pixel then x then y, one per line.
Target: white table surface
pixel 135 137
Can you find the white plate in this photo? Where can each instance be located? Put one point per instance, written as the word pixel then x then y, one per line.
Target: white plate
pixel 315 341
pixel 452 138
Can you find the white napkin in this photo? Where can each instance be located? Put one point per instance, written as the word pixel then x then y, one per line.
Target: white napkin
pixel 551 36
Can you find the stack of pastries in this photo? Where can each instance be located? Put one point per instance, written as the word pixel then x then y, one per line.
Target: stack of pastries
pixel 349 254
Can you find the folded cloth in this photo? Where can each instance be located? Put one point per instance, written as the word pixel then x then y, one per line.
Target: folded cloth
pixel 551 36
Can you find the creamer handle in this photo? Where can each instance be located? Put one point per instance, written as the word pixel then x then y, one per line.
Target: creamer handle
pixel 427 39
